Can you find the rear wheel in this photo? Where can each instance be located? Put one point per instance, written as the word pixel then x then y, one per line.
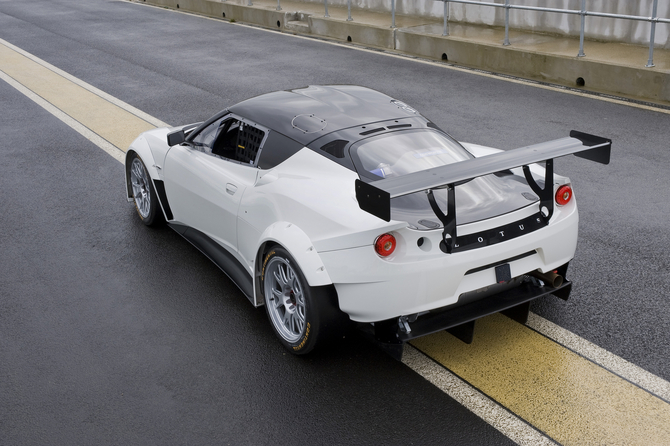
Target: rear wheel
pixel 301 316
pixel 144 195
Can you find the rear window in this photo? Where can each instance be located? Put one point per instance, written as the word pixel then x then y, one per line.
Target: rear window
pixel 399 153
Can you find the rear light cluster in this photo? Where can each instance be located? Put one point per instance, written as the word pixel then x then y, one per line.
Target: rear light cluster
pixel 385 245
pixel 564 195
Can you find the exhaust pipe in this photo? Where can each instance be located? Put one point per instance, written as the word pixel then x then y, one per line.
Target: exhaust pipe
pixel 551 278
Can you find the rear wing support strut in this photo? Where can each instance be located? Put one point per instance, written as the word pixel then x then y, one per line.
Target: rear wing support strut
pixel 546 194
pixel 448 220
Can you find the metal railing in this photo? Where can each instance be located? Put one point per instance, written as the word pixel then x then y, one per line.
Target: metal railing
pixel 583 12
pixel 507 5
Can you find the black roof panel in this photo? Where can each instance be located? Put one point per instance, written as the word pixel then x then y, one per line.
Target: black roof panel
pixel 341 106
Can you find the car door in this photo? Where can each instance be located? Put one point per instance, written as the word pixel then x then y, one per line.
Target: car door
pixel 206 176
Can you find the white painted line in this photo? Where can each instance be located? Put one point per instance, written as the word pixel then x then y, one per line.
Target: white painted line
pixel 472 399
pixel 617 365
pixel 119 103
pixel 391 53
pixel 105 145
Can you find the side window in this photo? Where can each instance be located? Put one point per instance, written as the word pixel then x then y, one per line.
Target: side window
pixel 227 141
pixel 232 139
pixel 205 139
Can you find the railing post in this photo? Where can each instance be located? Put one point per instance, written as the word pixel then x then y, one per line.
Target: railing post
pixel 446 17
pixel 581 31
pixel 392 13
pixel 278 5
pixel 349 19
pixel 250 4
pixel 506 42
pixel 325 3
pixel 650 62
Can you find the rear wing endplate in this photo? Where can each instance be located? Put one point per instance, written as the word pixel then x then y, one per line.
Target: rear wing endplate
pixel 375 197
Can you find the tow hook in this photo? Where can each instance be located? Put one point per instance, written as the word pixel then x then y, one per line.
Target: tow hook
pixel 403 322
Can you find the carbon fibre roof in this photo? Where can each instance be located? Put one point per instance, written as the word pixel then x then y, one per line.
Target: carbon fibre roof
pixel 340 106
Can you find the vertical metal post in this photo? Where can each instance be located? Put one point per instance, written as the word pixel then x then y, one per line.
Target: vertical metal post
pixel 250 4
pixel 278 5
pixel 650 62
pixel 392 13
pixel 506 42
pixel 581 30
pixel 349 19
pixel 325 3
pixel 446 17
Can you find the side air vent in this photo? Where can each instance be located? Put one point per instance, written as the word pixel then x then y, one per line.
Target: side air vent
pixel 335 148
pixel 399 126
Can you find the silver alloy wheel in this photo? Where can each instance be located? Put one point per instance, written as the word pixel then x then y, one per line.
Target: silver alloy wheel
pixel 284 299
pixel 139 179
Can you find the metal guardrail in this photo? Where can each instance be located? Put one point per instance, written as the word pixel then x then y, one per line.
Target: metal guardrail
pixel 583 12
pixel 507 5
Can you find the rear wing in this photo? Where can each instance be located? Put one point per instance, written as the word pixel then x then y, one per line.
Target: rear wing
pixel 375 197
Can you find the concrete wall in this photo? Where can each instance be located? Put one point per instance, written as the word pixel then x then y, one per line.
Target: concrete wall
pixel 598 28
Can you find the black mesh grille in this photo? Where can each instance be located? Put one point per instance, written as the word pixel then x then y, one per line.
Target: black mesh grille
pixel 248 142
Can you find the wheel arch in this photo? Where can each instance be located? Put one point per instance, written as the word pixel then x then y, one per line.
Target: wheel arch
pixel 290 237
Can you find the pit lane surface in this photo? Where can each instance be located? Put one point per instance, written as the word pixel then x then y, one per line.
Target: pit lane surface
pixel 82 231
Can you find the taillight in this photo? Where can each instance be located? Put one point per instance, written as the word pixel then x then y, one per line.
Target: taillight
pixel 563 195
pixel 385 245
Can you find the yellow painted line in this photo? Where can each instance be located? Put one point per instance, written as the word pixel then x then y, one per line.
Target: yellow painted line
pixel 114 124
pixel 571 399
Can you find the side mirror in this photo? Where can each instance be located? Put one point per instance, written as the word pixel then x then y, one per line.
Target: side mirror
pixel 176 137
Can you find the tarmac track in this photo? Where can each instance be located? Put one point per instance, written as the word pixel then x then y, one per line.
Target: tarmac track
pixel 118 334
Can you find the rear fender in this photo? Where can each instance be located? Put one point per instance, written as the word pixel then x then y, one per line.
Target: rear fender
pixel 299 245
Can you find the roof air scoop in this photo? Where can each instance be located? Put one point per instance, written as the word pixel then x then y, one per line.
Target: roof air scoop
pixel 308 123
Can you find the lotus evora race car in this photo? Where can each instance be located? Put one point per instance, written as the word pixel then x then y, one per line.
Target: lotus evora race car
pixel 330 203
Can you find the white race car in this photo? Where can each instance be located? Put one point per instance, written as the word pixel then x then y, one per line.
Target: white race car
pixel 329 203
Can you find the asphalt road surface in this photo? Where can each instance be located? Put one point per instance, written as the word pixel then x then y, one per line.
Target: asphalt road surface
pixel 112 333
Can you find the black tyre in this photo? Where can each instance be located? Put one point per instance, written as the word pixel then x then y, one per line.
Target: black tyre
pixel 301 316
pixel 144 195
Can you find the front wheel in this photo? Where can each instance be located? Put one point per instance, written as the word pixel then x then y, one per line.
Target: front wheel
pixel 301 316
pixel 144 195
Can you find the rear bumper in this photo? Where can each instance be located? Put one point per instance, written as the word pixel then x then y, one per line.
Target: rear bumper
pixel 417 279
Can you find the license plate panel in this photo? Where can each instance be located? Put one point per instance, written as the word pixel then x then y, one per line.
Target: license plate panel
pixel 503 273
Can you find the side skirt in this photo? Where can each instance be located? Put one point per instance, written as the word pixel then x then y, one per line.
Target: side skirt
pixel 220 256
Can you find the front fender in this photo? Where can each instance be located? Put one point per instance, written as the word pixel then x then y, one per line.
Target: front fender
pixel 301 248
